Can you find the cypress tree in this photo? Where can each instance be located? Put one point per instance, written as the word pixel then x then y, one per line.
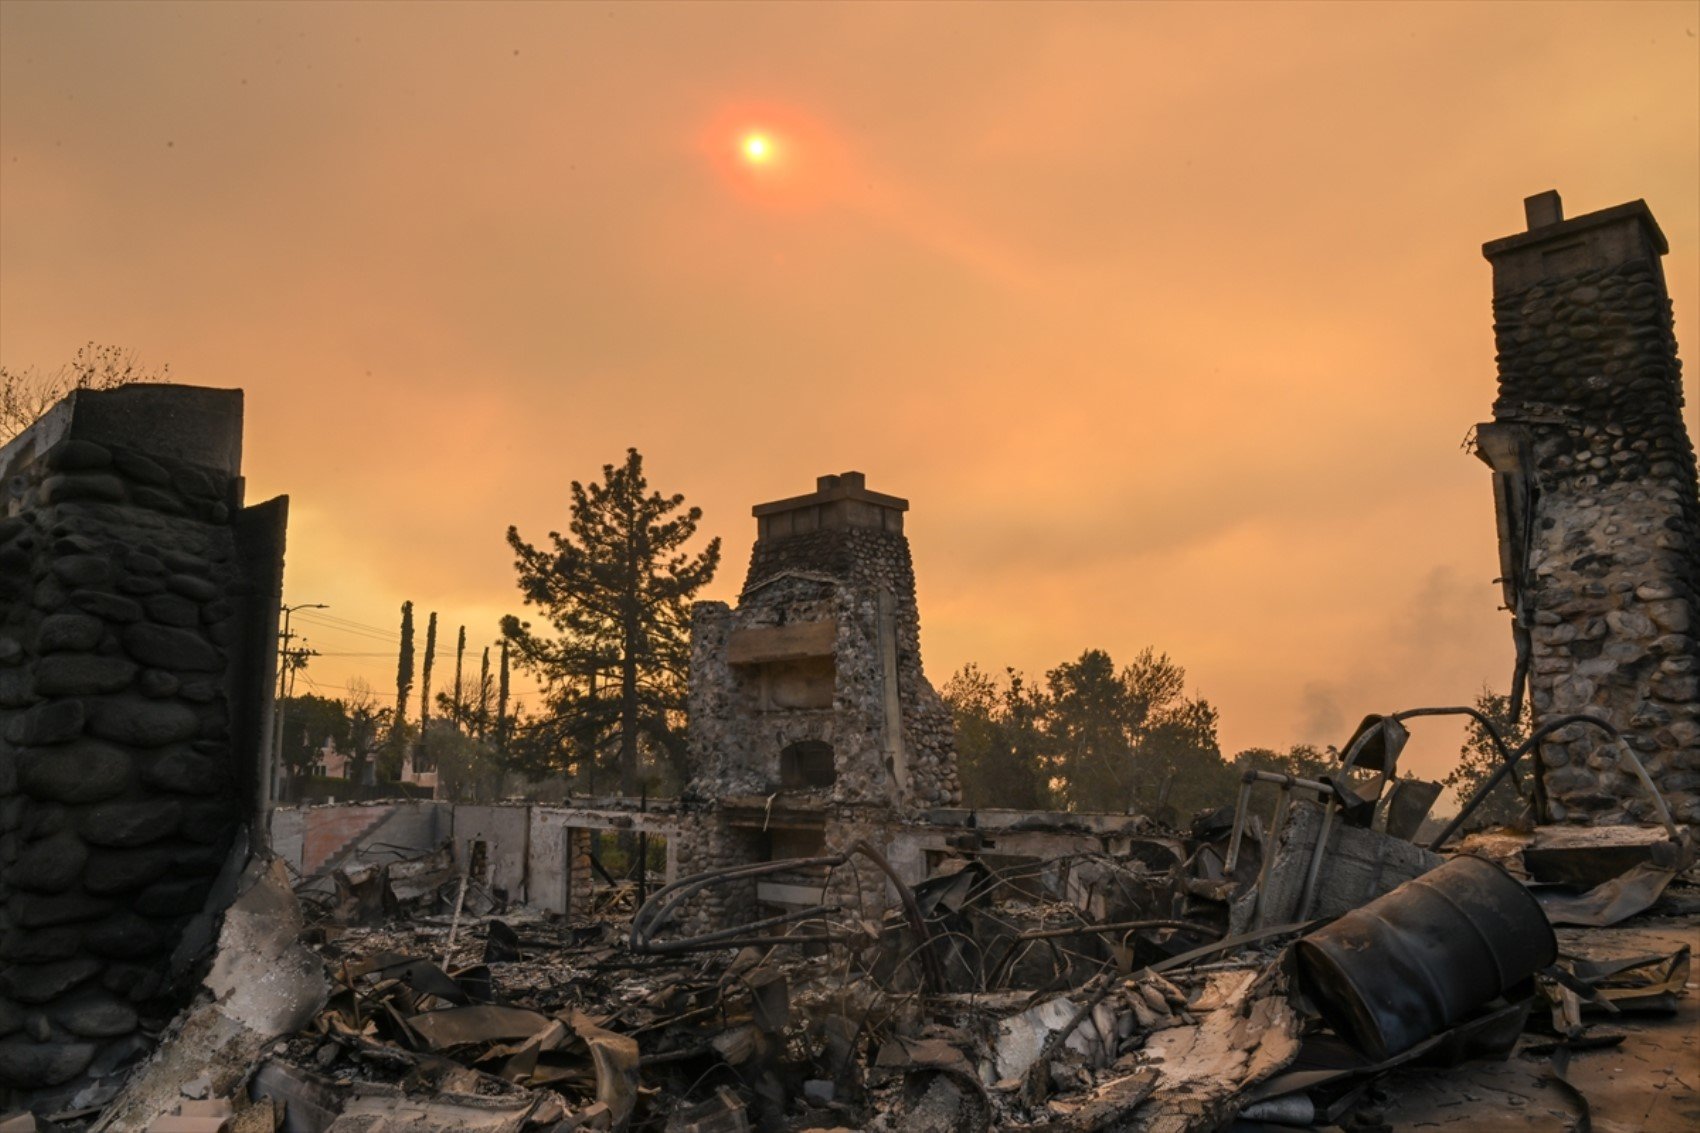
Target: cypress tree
pixel 425 688
pixel 403 678
pixel 483 716
pixel 459 704
pixel 502 721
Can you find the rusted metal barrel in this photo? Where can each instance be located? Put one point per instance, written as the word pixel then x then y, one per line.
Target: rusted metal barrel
pixel 1419 959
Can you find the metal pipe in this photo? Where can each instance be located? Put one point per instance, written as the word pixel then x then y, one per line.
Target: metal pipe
pixel 1316 785
pixel 1241 810
pixel 1278 820
pixel 714 938
pixel 1487 725
pixel 931 965
pixel 1316 856
pixel 1116 926
pixel 1659 806
pixel 665 900
pixel 1527 745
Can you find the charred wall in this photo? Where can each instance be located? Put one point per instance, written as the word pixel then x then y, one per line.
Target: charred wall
pixel 138 619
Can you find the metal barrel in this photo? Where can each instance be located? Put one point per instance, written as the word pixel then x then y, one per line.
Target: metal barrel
pixel 1415 961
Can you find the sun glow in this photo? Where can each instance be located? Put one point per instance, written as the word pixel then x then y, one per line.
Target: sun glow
pixel 758 149
pixel 771 156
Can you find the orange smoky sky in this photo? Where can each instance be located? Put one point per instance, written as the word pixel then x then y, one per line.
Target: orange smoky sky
pixel 1168 320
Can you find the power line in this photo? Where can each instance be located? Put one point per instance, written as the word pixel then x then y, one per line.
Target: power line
pixel 350 623
pixel 352 630
pixel 360 630
pixel 390 695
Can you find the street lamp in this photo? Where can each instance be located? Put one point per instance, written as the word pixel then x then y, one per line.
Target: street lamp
pixel 284 684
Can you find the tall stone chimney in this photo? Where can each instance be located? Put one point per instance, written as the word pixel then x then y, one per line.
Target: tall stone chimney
pixel 822 652
pixel 812 725
pixel 1595 489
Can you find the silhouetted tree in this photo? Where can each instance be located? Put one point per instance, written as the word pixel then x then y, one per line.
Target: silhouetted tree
pixel 28 393
pixel 403 681
pixel 1000 740
pixel 459 711
pixel 366 722
pixel 616 589
pixel 1478 759
pixel 503 722
pixel 1130 739
pixel 469 700
pixel 483 716
pixel 425 692
pixel 308 722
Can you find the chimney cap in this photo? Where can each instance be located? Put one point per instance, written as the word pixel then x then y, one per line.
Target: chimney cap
pixel 840 500
pixel 1627 217
pixel 1543 209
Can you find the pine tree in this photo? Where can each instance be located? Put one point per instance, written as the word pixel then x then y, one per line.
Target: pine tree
pixel 617 591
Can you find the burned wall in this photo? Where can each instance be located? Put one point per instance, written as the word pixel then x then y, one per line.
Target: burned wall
pixel 1596 492
pixel 138 619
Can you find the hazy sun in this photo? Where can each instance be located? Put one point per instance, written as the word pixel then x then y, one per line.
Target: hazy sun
pixel 757 149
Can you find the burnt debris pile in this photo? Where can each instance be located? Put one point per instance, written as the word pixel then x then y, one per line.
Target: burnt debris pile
pixel 1085 990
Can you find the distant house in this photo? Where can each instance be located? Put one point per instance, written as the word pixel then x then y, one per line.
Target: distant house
pixel 411 773
pixel 329 763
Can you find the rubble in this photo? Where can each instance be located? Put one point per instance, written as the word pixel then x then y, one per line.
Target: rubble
pixel 1087 989
pixel 263 983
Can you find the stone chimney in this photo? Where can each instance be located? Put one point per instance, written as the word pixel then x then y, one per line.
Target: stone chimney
pixel 823 650
pixel 812 724
pixel 1595 489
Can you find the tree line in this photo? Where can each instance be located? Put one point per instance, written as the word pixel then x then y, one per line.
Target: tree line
pixel 1095 736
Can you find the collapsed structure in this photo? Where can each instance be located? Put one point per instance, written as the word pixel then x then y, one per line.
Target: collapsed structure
pixel 834 942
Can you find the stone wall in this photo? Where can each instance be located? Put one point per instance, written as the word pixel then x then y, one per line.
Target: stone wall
pixel 707 842
pixel 138 608
pixel 1599 518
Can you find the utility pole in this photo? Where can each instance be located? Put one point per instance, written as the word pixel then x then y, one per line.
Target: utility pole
pixel 285 686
